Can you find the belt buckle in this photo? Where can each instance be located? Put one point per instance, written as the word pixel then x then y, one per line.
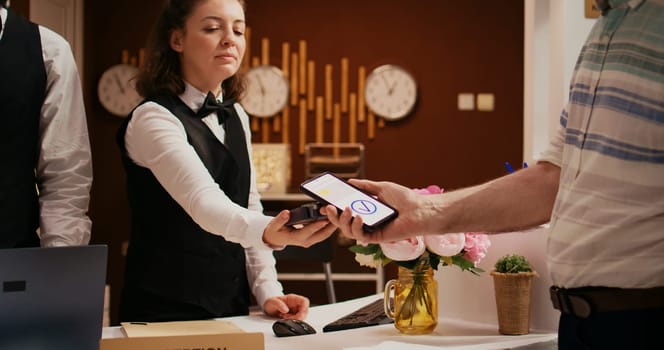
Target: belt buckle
pixel 566 302
pixel 555 298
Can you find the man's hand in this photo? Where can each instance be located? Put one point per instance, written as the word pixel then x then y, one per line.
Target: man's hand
pixel 404 200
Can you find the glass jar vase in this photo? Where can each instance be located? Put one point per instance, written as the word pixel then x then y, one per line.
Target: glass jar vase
pixel 415 307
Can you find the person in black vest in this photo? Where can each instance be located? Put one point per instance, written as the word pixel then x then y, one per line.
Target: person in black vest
pixel 44 146
pixel 200 243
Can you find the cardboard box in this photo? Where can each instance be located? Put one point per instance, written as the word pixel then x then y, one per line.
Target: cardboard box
pixel 184 335
pixel 228 341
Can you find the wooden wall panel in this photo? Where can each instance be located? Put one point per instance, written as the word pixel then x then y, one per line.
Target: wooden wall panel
pixel 450 47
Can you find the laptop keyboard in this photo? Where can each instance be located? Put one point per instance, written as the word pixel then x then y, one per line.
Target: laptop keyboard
pixel 372 314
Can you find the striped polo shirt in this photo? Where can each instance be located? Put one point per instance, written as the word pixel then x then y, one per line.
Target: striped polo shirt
pixel 607 226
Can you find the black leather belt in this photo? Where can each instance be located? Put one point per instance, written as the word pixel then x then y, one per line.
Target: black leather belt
pixel 582 302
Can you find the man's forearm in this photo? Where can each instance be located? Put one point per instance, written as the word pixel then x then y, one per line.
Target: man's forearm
pixel 513 202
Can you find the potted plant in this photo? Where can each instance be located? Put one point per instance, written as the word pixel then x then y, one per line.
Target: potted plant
pixel 512 281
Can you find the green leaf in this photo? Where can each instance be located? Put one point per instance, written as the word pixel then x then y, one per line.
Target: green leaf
pixel 476 271
pixel 462 263
pixel 370 249
pixel 434 260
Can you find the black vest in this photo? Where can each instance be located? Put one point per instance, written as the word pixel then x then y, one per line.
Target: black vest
pixel 22 93
pixel 171 256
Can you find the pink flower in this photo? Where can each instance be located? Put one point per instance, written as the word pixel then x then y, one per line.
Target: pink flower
pixel 476 246
pixel 448 244
pixel 405 249
pixel 431 189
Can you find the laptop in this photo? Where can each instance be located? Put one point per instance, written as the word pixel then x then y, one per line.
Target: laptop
pixel 52 298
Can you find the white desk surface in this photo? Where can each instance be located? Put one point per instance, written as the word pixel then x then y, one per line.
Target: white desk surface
pixel 450 333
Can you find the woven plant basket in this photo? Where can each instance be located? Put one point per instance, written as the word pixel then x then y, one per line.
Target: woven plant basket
pixel 512 292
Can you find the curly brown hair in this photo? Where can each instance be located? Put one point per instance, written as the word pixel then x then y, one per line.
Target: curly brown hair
pixel 161 74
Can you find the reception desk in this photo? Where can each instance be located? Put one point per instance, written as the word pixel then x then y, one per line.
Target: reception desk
pixel 450 333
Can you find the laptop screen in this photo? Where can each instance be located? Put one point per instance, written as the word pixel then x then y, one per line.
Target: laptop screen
pixel 52 298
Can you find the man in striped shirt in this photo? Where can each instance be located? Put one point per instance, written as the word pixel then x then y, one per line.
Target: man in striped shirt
pixel 600 184
pixel 607 225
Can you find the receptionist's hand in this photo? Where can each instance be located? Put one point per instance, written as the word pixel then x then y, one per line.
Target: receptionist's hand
pixel 290 306
pixel 276 234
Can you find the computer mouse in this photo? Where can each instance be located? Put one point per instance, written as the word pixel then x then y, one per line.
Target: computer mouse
pixel 289 328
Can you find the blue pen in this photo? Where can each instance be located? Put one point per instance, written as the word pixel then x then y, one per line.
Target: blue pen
pixel 509 167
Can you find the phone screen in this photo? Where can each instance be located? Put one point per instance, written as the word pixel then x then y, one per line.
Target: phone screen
pixel 331 189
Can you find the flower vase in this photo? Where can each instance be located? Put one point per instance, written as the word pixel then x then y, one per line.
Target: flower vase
pixel 415 307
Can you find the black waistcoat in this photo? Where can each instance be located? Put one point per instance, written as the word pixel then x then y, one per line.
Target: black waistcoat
pixel 169 254
pixel 22 93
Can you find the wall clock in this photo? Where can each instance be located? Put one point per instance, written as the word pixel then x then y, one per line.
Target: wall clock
pixel 116 89
pixel 267 91
pixel 390 92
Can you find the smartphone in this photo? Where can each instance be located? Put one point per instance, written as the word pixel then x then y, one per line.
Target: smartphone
pixel 330 189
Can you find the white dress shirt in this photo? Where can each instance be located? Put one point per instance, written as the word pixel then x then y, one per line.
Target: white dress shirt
pixel 64 165
pixel 156 139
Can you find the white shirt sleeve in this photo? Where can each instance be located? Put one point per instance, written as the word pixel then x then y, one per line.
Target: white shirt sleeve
pixel 260 263
pixel 554 151
pixel 156 139
pixel 262 274
pixel 64 166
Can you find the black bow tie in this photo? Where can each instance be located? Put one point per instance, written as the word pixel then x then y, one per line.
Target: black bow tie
pixel 211 105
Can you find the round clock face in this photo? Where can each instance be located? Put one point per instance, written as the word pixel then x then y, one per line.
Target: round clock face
pixel 267 91
pixel 116 89
pixel 390 92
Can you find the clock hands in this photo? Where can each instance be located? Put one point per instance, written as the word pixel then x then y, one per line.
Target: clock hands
pixel 390 87
pixel 260 84
pixel 119 83
pixel 262 89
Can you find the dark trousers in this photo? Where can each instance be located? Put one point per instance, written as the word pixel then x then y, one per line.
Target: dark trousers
pixel 632 329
